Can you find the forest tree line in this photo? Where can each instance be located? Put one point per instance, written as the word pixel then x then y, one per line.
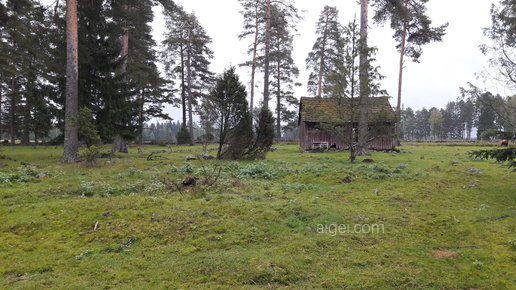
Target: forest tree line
pixel 93 64
pixel 489 116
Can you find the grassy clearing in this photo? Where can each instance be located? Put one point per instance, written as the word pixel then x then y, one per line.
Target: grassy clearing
pixel 444 228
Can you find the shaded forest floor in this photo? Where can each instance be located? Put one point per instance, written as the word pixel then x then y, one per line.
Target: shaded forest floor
pixel 258 226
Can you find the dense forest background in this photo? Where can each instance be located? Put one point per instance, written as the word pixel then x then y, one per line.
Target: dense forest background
pixel 126 79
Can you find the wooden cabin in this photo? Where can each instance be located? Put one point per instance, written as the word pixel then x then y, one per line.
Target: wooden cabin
pixel 326 123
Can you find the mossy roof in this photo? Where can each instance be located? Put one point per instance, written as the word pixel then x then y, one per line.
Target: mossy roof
pixel 339 110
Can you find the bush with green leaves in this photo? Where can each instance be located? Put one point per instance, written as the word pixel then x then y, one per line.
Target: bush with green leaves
pixel 90 154
pixel 87 130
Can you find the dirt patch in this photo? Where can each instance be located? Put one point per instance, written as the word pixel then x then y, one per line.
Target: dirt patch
pixel 444 254
pixel 405 203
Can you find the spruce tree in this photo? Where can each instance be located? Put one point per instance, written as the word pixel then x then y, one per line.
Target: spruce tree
pixel 230 109
pixel 147 87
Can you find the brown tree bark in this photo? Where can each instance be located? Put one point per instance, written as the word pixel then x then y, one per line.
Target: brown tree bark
pixel 141 121
pixel 125 42
pixel 12 119
pixel 363 121
pixel 400 79
pixel 278 103
pixel 71 136
pixel 183 89
pixel 352 81
pixel 189 81
pixel 402 55
pixel 267 55
pixel 120 144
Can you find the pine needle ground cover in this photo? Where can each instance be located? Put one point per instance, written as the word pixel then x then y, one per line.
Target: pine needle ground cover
pixel 122 222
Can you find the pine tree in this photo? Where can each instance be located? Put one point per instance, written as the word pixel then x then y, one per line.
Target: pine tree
pixel 230 110
pixel 291 14
pixel 412 29
pixel 327 55
pixel 363 121
pixel 284 71
pixel 502 50
pixel 71 136
pixel 188 43
pixel 436 123
pixel 254 19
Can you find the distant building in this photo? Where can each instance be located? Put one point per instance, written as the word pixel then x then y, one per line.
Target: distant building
pixel 326 122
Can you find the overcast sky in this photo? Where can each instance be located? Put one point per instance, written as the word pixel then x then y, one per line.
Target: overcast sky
pixel 444 66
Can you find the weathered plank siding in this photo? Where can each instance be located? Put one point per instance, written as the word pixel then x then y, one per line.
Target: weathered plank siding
pixel 309 135
pixel 317 112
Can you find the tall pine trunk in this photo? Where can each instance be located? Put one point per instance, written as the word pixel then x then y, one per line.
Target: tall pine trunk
pixel 363 121
pixel 400 77
pixel 141 103
pixel 253 65
pixel 267 56
pixel 12 119
pixel 120 144
pixel 190 97
pixel 183 89
pixel 278 99
pixel 402 55
pixel 321 66
pixel 352 153
pixel 71 136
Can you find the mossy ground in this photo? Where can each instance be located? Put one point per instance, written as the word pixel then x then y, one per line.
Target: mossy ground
pixel 258 226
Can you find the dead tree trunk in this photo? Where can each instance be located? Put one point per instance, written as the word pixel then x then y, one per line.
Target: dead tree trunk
pixel 363 121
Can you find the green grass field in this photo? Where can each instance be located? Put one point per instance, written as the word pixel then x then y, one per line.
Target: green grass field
pixel 258 226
